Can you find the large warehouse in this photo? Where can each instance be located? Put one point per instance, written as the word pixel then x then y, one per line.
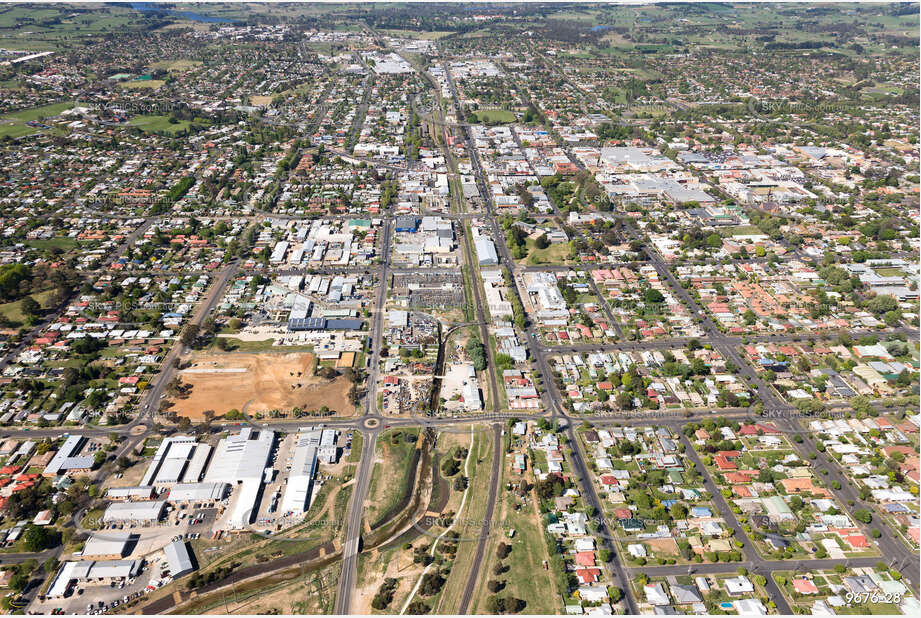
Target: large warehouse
pixel 134 513
pixel 197 492
pixel 169 462
pixel 242 459
pixel 92 572
pixel 110 545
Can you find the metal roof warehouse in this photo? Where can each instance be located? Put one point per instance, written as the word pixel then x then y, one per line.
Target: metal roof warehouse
pixel 127 512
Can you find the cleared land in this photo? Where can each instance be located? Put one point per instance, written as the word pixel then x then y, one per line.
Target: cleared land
pixel 280 381
pixel 260 99
pixel 176 65
pixel 135 84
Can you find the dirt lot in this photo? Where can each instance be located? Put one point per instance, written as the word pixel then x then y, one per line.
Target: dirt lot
pixel 260 100
pixel 269 381
pixel 662 546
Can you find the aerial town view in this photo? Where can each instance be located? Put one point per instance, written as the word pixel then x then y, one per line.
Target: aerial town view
pixel 460 308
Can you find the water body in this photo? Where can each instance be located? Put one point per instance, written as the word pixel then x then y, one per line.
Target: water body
pixel 146 7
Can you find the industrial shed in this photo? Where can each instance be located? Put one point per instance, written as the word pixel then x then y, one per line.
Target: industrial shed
pixel 134 512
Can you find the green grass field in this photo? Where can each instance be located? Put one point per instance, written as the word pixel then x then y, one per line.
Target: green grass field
pixel 16 130
pixel 176 65
pixel 495 115
pixel 554 254
pixel 35 113
pixel 12 312
pixel 159 124
pixel 389 474
pixel 14 124
pixel 59 242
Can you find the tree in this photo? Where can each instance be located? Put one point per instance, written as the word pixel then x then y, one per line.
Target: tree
pixel 542 242
pixel 19 581
pixel 30 306
pixel 863 515
pixel 882 304
pixel 40 538
pixel 50 565
pixel 431 583
pixel 654 297
pixel 477 354
pixel 189 334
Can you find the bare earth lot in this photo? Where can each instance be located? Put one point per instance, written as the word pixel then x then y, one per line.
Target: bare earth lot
pixel 269 381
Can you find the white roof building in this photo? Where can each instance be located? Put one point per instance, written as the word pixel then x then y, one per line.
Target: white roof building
pixel 183 447
pixel 89 570
pixel 303 468
pixel 242 459
pixel 179 559
pixel 133 512
pixel 107 544
pixel 655 594
pixel 192 492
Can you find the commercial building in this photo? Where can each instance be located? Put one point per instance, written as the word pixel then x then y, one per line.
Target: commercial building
pixel 130 493
pixel 179 559
pixel 66 459
pixel 242 459
pixel 303 469
pixel 109 545
pixel 310 447
pixel 486 252
pixel 91 571
pixel 197 492
pixel 169 461
pixel 134 513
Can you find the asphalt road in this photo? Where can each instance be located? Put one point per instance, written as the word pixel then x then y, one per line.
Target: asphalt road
pixel 151 402
pixel 352 545
pixel 895 552
pixel 619 576
pixel 353 524
pixel 480 551
pixel 758 564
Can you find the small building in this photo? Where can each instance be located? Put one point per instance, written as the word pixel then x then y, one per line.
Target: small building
pixel 179 559
pixel 109 545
